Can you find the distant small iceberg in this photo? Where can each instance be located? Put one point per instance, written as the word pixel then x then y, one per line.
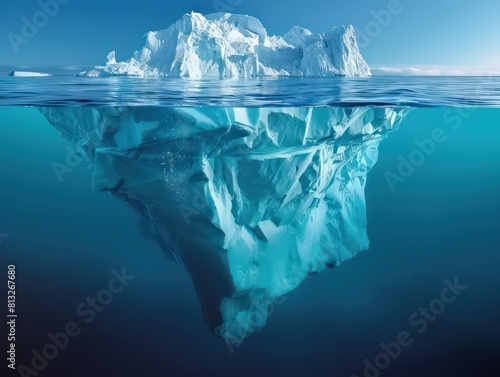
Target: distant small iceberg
pixel 29 74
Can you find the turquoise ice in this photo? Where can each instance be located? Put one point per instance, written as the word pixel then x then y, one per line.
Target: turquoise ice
pixel 250 200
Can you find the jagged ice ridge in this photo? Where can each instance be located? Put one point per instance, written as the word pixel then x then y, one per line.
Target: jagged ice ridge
pixel 224 45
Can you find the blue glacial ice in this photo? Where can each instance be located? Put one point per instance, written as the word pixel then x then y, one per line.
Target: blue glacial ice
pixel 225 45
pixel 250 200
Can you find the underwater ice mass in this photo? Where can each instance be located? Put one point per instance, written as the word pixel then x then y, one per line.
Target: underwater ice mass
pixel 237 46
pixel 250 200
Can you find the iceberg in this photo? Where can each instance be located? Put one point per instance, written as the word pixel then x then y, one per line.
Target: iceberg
pixel 29 74
pixel 224 45
pixel 251 201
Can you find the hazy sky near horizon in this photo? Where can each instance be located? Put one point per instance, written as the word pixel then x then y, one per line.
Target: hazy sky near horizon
pixel 447 33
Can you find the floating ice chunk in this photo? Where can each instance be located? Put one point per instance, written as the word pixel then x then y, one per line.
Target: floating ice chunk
pixel 28 74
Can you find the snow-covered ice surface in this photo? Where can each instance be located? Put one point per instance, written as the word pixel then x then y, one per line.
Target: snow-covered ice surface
pixel 250 200
pixel 228 45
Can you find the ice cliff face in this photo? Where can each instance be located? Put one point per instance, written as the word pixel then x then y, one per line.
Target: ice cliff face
pixel 250 200
pixel 234 46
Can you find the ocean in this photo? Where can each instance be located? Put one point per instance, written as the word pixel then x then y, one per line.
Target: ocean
pixel 423 300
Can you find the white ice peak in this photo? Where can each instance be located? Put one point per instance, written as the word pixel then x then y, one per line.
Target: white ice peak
pixel 233 46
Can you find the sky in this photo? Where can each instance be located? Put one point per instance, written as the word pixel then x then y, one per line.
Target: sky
pixel 395 36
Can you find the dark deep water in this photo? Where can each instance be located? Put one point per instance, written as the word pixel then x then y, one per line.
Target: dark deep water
pixel 440 224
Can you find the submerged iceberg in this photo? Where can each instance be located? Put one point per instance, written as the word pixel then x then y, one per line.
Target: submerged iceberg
pixel 250 200
pixel 228 45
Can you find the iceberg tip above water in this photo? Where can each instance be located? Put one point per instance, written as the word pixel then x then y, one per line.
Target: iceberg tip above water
pixel 224 45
